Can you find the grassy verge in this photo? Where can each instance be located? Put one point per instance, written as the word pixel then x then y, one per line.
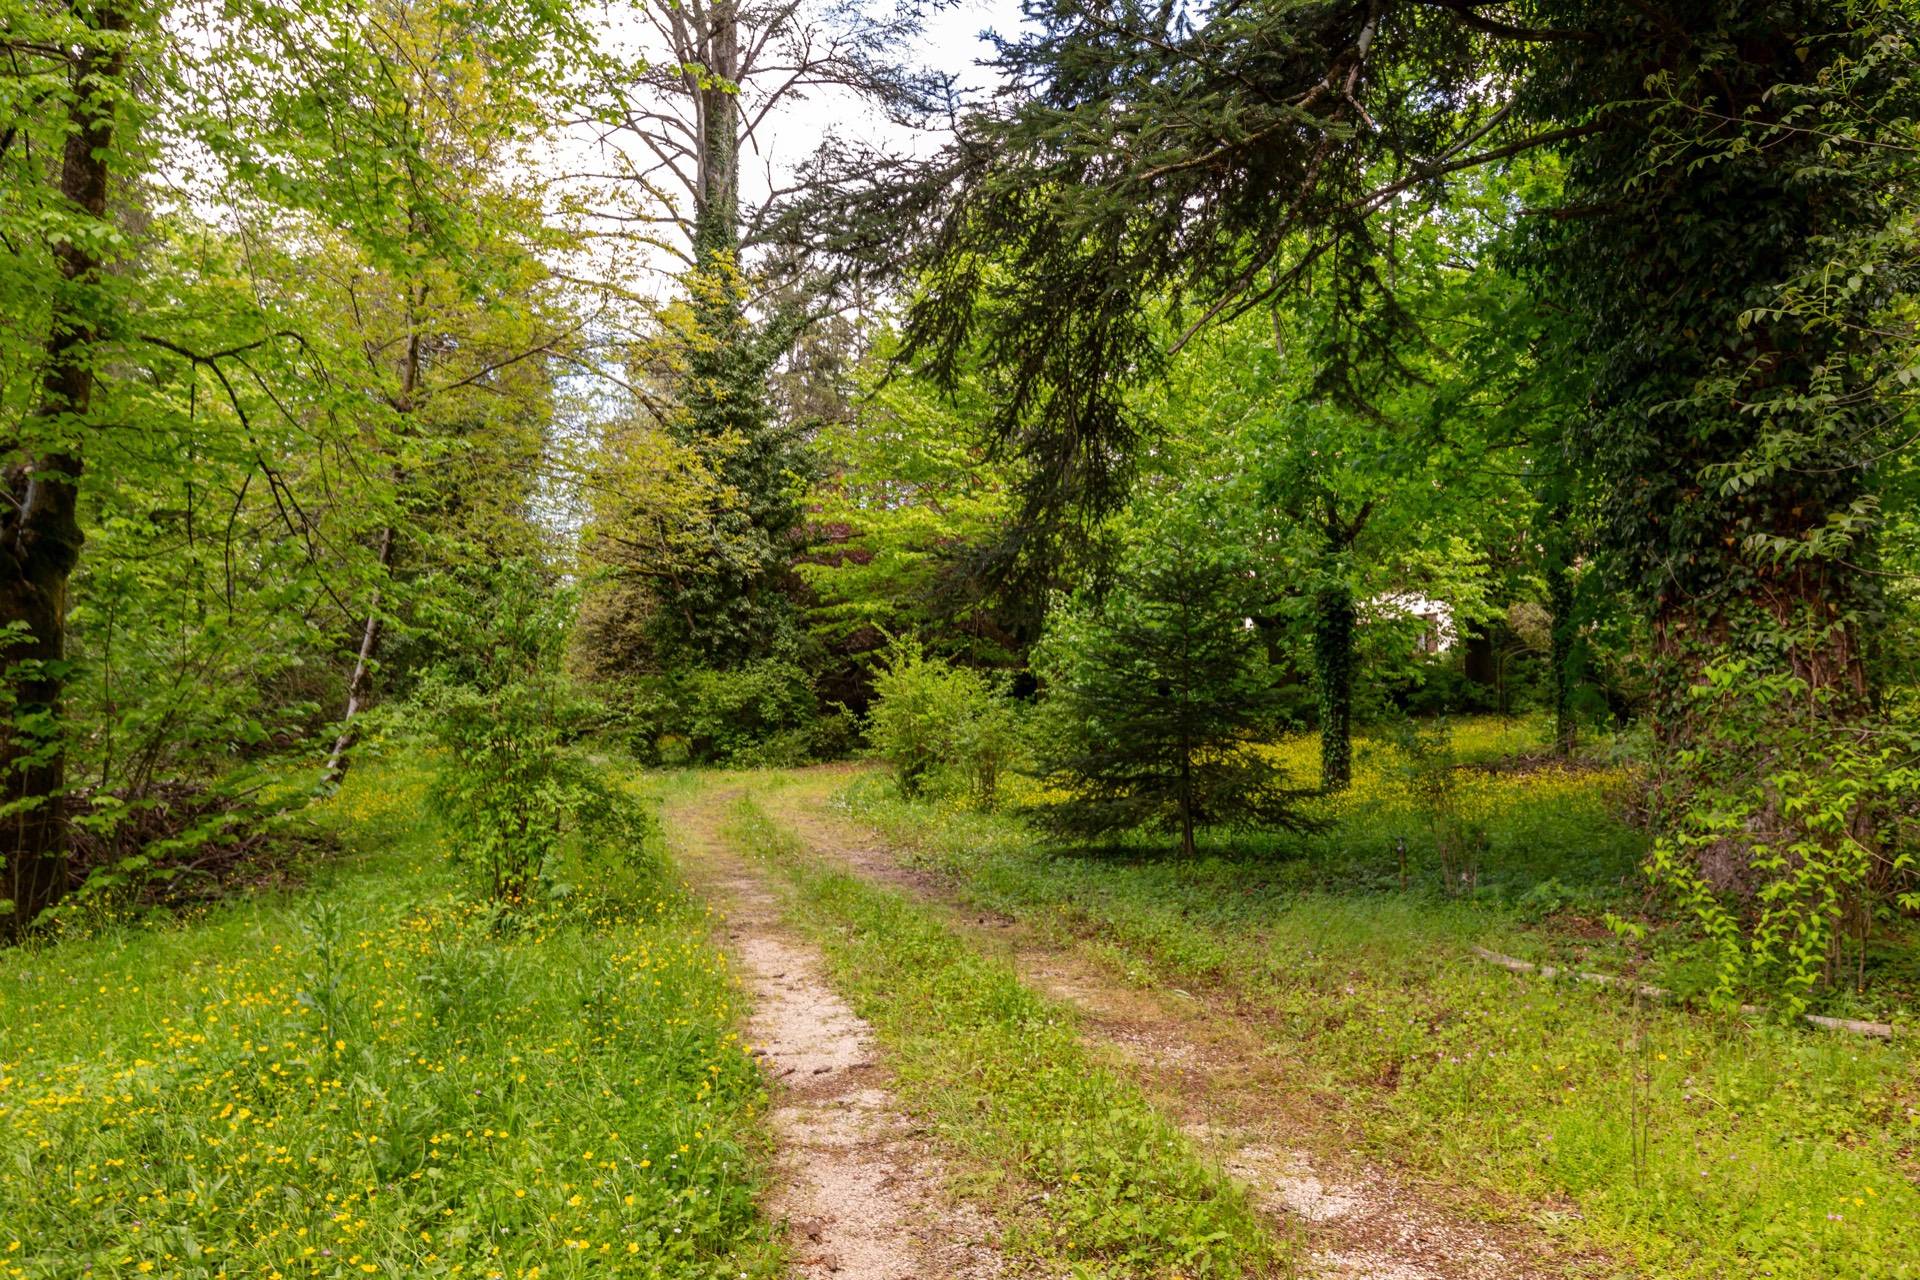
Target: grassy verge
pixel 1093 1180
pixel 377 1077
pixel 1683 1144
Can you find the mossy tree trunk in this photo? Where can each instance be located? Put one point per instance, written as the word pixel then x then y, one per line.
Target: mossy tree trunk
pixel 40 533
pixel 1333 616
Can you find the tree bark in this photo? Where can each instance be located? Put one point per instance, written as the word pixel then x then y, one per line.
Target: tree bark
pixel 1478 661
pixel 1333 619
pixel 1186 802
pixel 1563 636
pixel 1803 620
pixel 360 684
pixel 40 533
pixel 717 220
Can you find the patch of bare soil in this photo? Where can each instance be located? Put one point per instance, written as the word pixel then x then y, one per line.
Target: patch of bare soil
pixel 1227 1082
pixel 858 1189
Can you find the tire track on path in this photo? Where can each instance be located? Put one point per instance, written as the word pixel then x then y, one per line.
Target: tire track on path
pixel 1211 1069
pixel 857 1186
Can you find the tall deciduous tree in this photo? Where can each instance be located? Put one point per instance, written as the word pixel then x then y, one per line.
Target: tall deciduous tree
pixel 721 75
pixel 442 312
pixel 69 94
pixel 193 208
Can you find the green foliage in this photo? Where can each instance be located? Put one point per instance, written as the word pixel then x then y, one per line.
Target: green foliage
pixel 1792 840
pixel 438 1097
pixel 1737 429
pixel 1333 663
pixel 1357 505
pixel 912 512
pixel 1716 337
pixel 1426 763
pixel 1156 695
pixel 764 712
pixel 507 790
pixel 930 716
pixel 724 594
pixel 311 350
pixel 176 845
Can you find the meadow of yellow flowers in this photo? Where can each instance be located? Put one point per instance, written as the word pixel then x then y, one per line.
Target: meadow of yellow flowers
pixel 376 1077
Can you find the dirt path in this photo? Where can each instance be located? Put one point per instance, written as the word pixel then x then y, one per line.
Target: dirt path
pixel 859 1191
pixel 1209 1066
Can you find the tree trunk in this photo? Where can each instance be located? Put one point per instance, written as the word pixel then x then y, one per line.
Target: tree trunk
pixel 1333 661
pixel 360 684
pixel 1479 663
pixel 717 220
pixel 1801 620
pixel 1563 657
pixel 1186 803
pixel 40 533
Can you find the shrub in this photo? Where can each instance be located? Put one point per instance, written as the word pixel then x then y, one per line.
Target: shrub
pixel 1792 838
pixel 1427 766
pixel 176 843
pixel 929 716
pixel 764 712
pixel 732 714
pixel 836 733
pixel 506 789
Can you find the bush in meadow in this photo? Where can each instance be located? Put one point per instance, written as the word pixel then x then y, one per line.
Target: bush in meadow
pixel 930 716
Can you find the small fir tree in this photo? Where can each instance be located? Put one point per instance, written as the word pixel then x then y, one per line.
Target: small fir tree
pixel 1157 697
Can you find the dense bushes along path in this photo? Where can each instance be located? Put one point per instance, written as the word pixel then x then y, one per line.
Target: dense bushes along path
pixel 1233 1138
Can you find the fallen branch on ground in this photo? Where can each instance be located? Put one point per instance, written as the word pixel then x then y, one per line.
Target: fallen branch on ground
pixel 1879 1030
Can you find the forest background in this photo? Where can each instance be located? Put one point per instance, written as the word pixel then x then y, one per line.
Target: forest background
pixel 1189 382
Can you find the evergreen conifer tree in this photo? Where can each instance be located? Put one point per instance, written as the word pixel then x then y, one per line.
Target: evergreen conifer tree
pixel 1156 699
pixel 739 603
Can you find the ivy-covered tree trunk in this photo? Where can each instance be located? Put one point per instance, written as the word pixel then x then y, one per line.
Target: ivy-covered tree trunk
pixel 1562 658
pixel 1333 656
pixel 1333 617
pixel 40 533
pixel 1756 697
pixel 1728 429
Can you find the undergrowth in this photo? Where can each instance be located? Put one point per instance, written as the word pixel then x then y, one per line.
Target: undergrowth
pixel 380 1077
pixel 1681 1143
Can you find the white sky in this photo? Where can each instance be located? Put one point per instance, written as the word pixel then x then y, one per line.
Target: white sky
pixel 953 42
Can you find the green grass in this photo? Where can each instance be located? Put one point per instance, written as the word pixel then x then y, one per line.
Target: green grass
pixel 378 1077
pixel 1686 1145
pixel 1085 1174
